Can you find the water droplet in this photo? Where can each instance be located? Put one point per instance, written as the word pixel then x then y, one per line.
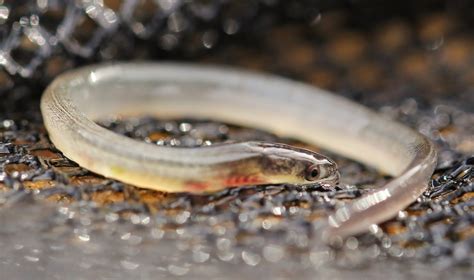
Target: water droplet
pixel 185 127
pixel 209 39
pixel 231 26
pixel 200 256
pixel 316 19
pixel 157 233
pixel 4 13
pixel 177 22
pixel 223 244
pixel 250 258
pixel 111 217
pixel 352 243
pixel 31 259
pixel 278 211
pixel 84 237
pixel 273 253
pixel 177 270
pixel 182 217
pixel 225 255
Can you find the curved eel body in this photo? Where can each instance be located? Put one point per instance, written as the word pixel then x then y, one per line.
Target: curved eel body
pixel 287 108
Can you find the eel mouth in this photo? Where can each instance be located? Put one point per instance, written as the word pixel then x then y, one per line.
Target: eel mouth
pixel 331 181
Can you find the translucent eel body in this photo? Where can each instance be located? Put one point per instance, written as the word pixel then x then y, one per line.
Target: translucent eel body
pixel 287 108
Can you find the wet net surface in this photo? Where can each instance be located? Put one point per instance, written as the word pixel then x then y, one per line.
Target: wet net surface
pixel 60 220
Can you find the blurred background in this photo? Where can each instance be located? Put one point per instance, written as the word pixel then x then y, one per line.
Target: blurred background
pixel 410 60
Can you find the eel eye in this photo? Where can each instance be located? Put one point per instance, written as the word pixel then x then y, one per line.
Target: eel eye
pixel 312 173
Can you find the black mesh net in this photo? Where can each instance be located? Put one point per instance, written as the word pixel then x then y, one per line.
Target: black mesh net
pixel 412 62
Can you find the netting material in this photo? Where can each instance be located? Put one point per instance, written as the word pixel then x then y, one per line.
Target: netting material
pixel 262 228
